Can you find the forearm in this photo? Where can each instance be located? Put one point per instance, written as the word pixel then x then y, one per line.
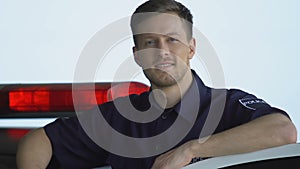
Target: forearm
pixel 265 132
pixel 34 151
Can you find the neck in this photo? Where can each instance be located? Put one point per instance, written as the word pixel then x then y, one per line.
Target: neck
pixel 169 96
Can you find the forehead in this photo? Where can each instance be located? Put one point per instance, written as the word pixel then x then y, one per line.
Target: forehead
pixel 159 23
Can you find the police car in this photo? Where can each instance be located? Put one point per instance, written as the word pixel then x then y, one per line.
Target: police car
pixel 283 157
pixel 27 106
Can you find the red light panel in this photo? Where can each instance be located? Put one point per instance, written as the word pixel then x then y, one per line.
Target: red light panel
pixel 35 100
pixel 59 97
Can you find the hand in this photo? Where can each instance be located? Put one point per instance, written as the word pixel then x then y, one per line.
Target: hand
pixel 174 159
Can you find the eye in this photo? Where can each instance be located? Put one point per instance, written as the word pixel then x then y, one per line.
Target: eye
pixel 171 39
pixel 150 42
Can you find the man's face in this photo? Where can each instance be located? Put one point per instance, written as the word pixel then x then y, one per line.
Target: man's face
pixel 163 50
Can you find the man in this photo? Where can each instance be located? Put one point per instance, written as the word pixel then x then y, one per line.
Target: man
pixel 164 46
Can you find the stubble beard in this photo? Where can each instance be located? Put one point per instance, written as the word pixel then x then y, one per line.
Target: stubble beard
pixel 162 79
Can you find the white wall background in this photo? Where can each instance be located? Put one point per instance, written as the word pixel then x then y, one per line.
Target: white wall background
pixel 257 42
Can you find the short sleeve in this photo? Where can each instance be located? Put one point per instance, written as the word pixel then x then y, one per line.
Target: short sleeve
pixel 71 147
pixel 258 107
pixel 242 107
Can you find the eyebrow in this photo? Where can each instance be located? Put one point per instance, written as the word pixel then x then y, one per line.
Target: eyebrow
pixel 172 34
pixel 152 35
pixel 167 34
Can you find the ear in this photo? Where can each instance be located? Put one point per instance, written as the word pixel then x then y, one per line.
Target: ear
pixel 136 57
pixel 192 48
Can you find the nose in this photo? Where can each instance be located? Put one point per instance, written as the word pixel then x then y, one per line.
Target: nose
pixel 163 49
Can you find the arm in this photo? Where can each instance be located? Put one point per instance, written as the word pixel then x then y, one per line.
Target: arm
pixel 34 150
pixel 264 132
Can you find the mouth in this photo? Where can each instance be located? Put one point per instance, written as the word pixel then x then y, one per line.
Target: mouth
pixel 164 66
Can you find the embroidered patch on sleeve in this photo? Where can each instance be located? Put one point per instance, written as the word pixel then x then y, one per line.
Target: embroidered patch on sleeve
pixel 252 103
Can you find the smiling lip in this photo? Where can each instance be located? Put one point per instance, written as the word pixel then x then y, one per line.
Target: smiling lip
pixel 165 65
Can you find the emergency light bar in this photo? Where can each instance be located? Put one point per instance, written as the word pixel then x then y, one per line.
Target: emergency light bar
pixel 23 104
pixel 29 98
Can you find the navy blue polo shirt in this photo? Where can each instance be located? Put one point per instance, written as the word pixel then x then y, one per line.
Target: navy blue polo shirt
pixel 215 110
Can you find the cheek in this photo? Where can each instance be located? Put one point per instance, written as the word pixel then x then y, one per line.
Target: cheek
pixel 143 56
pixel 146 61
pixel 181 53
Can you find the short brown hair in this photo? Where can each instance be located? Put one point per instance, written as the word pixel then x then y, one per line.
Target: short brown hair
pixel 163 6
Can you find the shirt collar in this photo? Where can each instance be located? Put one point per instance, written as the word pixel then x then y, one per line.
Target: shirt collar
pixel 189 105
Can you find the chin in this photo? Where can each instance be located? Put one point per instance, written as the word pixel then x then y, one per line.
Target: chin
pixel 160 78
pixel 163 81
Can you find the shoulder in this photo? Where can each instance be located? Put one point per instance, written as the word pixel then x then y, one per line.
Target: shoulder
pixel 246 100
pixel 238 94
